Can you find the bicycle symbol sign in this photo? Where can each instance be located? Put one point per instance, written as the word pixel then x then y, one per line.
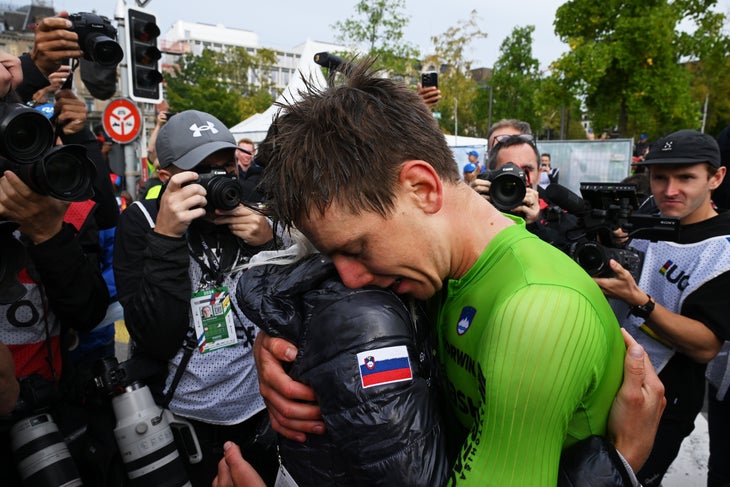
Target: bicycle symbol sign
pixel 122 120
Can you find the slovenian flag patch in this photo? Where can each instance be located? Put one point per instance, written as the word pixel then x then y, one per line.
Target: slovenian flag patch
pixel 384 366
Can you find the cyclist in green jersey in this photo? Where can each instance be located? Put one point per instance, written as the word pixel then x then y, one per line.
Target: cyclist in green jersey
pixel 531 350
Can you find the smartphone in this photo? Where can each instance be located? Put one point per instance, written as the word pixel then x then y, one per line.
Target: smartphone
pixel 169 114
pixel 430 78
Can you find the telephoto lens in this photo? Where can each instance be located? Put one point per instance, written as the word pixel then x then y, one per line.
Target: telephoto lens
pixel 41 455
pixel 146 441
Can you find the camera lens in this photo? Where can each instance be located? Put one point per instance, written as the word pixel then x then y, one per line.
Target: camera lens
pixel 103 50
pixel 146 442
pixel 66 173
pixel 41 456
pixel 592 258
pixel 25 134
pixel 224 192
pixel 507 191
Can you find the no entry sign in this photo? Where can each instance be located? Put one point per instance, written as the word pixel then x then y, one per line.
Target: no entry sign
pixel 122 120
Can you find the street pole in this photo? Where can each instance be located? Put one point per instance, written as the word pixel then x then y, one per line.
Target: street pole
pixel 491 98
pixel 456 121
pixel 131 164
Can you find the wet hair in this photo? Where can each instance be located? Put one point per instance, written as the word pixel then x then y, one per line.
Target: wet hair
pixel 346 144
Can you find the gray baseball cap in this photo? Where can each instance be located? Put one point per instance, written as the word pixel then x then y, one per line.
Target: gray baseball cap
pixel 189 137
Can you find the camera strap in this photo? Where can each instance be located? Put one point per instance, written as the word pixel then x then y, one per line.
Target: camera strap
pixel 189 346
pixel 213 266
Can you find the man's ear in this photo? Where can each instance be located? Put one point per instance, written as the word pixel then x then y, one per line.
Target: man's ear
pixel 164 175
pixel 420 180
pixel 716 179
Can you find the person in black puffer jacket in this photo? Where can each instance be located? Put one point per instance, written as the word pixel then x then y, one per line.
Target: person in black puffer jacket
pixel 385 434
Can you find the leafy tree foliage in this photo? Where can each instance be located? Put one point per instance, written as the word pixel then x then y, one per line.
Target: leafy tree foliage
pixel 376 28
pixel 218 83
pixel 627 59
pixel 516 79
pixel 459 90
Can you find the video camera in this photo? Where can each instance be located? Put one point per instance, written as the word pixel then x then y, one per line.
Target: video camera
pixel 148 437
pixel 508 188
pixel 606 207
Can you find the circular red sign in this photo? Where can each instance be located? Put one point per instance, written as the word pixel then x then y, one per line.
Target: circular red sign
pixel 122 120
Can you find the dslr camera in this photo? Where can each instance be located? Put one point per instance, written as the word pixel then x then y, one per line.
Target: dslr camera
pixel 27 148
pixel 224 190
pixel 508 188
pixel 149 437
pixel 97 38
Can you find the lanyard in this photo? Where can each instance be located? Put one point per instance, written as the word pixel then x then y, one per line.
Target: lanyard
pixel 212 266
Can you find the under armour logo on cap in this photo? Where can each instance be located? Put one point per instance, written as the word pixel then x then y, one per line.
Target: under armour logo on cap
pixel 191 136
pixel 198 131
pixel 667 145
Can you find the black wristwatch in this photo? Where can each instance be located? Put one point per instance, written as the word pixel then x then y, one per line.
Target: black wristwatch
pixel 643 310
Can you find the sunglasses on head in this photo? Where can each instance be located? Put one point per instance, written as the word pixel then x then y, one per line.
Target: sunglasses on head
pixel 505 138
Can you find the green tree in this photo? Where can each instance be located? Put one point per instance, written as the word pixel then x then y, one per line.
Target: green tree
pixel 377 29
pixel 710 49
pixel 218 83
pixel 625 60
pixel 516 79
pixel 459 90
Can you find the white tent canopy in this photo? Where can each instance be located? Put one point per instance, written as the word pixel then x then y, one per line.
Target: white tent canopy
pixel 256 126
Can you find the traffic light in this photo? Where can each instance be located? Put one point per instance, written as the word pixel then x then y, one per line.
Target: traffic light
pixel 143 57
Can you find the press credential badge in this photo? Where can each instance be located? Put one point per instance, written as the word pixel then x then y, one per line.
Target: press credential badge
pixel 213 319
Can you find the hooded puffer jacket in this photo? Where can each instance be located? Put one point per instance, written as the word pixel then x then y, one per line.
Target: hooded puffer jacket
pixel 380 409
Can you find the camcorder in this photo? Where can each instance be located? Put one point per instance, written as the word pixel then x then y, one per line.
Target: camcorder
pixel 508 188
pixel 97 38
pixel 150 438
pixel 40 453
pixel 604 208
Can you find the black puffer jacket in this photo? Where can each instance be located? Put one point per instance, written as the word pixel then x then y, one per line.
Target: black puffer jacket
pixel 386 435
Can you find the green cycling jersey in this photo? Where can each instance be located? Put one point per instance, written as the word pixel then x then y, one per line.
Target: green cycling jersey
pixel 533 357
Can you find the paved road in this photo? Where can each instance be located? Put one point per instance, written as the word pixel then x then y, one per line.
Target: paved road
pixel 690 467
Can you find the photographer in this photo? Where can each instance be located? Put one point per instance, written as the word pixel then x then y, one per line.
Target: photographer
pixel 543 219
pixel 173 257
pixel 54 44
pixel 678 309
pixel 48 284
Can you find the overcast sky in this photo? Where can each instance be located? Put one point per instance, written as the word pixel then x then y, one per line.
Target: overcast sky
pixel 285 23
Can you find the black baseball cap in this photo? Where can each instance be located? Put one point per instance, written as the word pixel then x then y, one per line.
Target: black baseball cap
pixel 684 147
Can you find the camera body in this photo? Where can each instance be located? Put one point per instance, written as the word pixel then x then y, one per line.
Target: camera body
pixel 97 38
pixel 508 188
pixel 594 259
pixel 27 148
pixel 224 191
pixel 604 208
